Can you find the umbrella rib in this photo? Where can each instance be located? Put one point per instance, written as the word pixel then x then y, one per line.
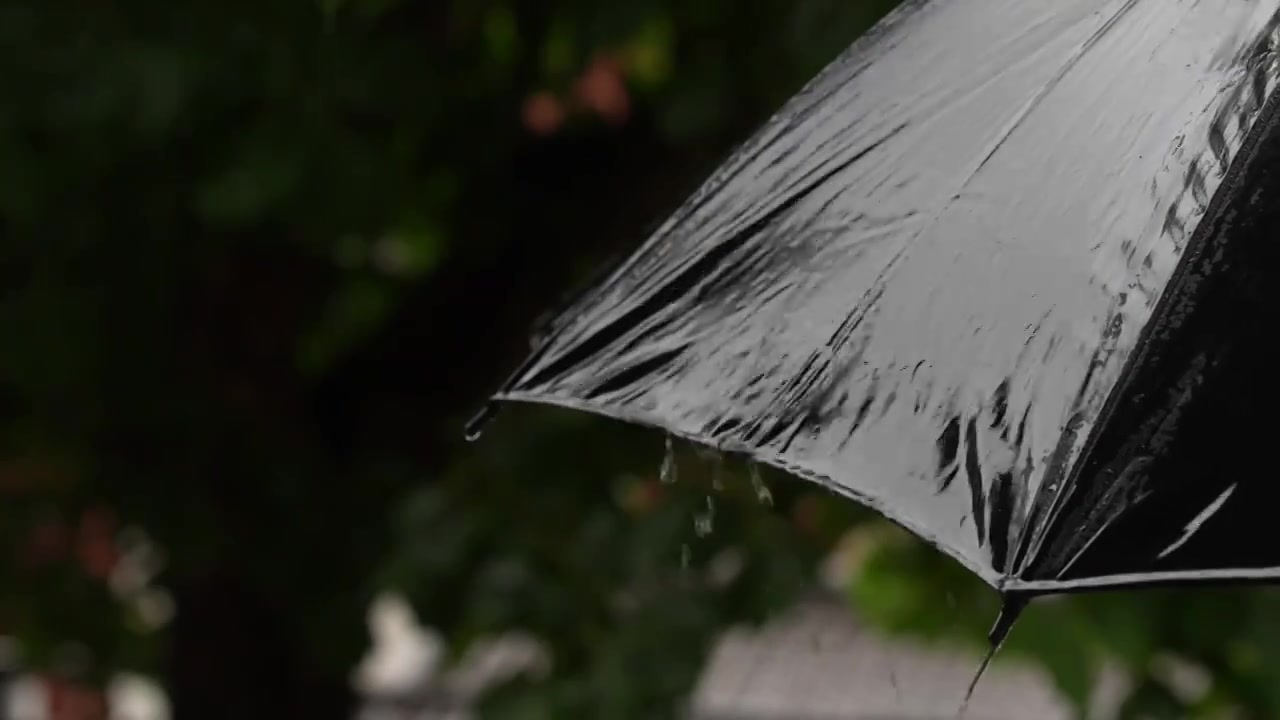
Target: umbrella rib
pixel 1144 579
pixel 1043 93
pixel 800 386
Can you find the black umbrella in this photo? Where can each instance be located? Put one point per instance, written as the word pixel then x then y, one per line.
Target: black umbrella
pixel 1002 272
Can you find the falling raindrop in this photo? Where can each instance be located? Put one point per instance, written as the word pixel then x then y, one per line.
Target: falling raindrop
pixel 686 556
pixel 668 472
pixel 717 472
pixel 706 453
pixel 757 483
pixel 704 522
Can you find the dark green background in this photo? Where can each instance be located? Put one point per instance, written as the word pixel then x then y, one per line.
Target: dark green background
pixel 258 262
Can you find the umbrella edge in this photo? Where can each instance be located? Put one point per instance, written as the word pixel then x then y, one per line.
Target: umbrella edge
pixel 995 581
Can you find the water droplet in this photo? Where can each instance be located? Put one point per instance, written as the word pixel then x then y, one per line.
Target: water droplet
pixel 757 483
pixel 668 472
pixel 686 556
pixel 717 472
pixel 704 523
pixel 478 422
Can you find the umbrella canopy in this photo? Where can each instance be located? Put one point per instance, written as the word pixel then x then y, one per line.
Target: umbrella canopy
pixel 1001 272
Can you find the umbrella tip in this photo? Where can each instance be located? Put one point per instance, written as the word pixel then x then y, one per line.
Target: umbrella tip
pixel 1011 607
pixel 478 422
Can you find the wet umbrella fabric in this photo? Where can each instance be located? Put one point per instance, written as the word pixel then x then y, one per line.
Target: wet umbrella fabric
pixel 1001 272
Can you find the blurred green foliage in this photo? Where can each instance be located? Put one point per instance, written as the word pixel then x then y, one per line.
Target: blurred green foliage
pixel 258 260
pixel 1152 639
pixel 602 559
